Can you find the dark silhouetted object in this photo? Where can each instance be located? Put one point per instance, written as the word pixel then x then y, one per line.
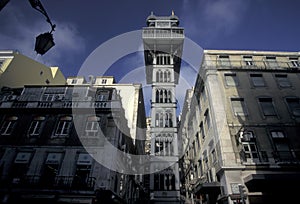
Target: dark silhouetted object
pixel 3 3
pixel 43 43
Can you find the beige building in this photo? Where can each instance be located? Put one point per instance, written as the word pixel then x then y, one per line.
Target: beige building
pixel 17 70
pixel 240 128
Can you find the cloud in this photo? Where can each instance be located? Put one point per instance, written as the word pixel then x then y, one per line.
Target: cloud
pixel 19 34
pixel 210 18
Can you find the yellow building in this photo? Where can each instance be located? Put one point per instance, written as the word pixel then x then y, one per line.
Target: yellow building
pixel 17 70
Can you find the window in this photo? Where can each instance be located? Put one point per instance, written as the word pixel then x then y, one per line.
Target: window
pixel 282 80
pixel 8 125
pixel 164 119
pixel 103 81
pixel 102 95
pixel 74 81
pixel 224 60
pixel 53 93
pixel 271 61
pixel 20 166
pixel 267 106
pixel 51 168
pixel 163 60
pixel 202 130
pixel 282 150
pixel 198 141
pixel 164 181
pixel 163 76
pixel 35 128
pixel 207 119
pixel 203 93
pixel 92 126
pixel 231 79
pixel 248 60
pixel 1 62
pixel 213 156
pixel 238 106
pixel 248 141
pixel 294 62
pixel 163 96
pixel 257 80
pixel 250 150
pixel 63 126
pixel 293 105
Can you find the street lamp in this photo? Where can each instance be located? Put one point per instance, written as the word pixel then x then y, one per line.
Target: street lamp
pixel 44 41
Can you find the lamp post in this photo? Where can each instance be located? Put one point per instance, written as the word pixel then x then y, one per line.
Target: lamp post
pixel 44 41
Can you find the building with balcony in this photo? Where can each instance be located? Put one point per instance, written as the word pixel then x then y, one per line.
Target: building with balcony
pixel 52 136
pixel 240 126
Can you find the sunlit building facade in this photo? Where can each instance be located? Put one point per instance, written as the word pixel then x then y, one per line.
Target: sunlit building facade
pixel 240 128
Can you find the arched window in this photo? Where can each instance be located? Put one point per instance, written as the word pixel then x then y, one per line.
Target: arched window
pixel 169 99
pixel 92 126
pixel 161 96
pixel 165 76
pixel 161 120
pixel 156 119
pixel 36 126
pixel 165 96
pixel 168 76
pixel 161 78
pixel 8 125
pixel 157 96
pixel 64 126
pixel 157 76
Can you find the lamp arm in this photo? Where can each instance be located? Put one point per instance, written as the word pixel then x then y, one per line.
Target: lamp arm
pixel 37 5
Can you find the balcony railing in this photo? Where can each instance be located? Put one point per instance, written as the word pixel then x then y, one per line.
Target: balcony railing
pixel 58 182
pixel 62 104
pixel 268 156
pixel 263 64
pixel 163 33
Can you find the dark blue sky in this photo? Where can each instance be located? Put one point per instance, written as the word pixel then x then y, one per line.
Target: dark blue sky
pixel 83 26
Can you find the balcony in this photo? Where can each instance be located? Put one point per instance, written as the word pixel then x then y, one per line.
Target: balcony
pixel 57 183
pixel 242 64
pixel 262 157
pixel 62 104
pixel 163 33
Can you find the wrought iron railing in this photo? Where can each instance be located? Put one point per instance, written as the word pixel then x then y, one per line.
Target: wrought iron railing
pixel 268 156
pixel 57 182
pixel 163 33
pixel 263 64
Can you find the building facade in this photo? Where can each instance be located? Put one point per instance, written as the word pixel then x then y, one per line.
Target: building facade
pixel 163 42
pixel 52 137
pixel 240 128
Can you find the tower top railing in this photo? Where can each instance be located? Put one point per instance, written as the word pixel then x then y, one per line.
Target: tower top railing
pixel 163 33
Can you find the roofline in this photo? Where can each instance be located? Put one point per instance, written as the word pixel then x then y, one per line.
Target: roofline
pixel 251 52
